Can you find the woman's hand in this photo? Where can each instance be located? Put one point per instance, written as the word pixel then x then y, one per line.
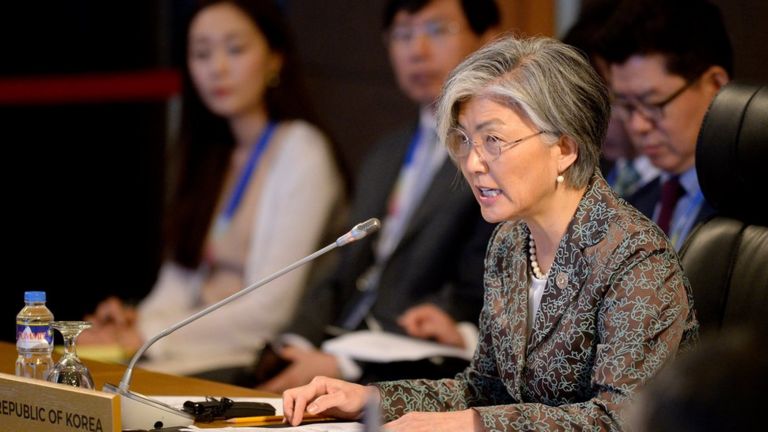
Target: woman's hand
pixel 459 421
pixel 428 321
pixel 128 337
pixel 113 311
pixel 98 335
pixel 113 323
pixel 326 396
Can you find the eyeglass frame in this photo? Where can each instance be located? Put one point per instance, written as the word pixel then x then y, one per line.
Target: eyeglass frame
pixel 501 145
pixel 653 112
pixel 432 29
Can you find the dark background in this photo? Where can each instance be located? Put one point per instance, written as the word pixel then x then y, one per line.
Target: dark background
pixel 83 182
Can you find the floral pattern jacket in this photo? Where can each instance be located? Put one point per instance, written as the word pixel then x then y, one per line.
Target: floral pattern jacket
pixel 616 307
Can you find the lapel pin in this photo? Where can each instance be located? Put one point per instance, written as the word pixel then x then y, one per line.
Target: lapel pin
pixel 561 280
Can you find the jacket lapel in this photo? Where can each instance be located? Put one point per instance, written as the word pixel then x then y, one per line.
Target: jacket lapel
pixel 442 193
pixel 387 171
pixel 570 269
pixel 510 334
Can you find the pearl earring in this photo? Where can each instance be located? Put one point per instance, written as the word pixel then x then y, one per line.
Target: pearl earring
pixel 560 179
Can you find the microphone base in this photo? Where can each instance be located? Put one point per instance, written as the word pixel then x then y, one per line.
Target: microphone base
pixel 141 412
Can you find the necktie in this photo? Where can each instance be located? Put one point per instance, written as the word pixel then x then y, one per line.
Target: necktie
pixel 671 191
pixel 627 180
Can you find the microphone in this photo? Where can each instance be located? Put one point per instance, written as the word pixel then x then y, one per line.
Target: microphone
pixel 140 412
pixel 359 231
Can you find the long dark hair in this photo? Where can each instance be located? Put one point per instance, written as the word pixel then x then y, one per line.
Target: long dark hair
pixel 206 143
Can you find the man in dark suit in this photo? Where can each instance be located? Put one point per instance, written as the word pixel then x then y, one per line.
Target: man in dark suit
pixel 667 60
pixel 422 273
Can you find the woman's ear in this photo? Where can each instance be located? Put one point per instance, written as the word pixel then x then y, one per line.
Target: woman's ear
pixel 274 66
pixel 567 152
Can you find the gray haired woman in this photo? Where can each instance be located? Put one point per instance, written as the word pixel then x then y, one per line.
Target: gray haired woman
pixel 585 299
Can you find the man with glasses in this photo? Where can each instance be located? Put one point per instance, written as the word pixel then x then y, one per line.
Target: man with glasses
pixel 667 60
pixel 624 169
pixel 422 273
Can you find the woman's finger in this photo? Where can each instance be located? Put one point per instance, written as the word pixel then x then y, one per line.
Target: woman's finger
pixel 295 401
pixel 326 402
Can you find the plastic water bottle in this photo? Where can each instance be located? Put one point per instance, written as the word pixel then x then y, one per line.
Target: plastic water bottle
pixel 34 337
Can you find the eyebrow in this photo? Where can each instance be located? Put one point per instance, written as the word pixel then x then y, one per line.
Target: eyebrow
pixel 411 19
pixel 228 37
pixel 492 122
pixel 641 97
pixel 482 126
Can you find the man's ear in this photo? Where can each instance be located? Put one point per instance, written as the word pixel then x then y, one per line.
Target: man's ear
pixel 716 77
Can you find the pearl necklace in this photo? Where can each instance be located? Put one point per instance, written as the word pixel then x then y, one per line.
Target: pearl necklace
pixel 534 263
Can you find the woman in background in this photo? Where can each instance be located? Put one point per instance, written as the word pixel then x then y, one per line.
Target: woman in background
pixel 255 188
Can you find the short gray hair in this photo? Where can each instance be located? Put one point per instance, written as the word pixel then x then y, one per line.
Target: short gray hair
pixel 545 80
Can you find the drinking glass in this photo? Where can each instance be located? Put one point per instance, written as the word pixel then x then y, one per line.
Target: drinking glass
pixel 69 370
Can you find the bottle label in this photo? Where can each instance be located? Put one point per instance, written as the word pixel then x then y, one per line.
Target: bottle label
pixel 30 336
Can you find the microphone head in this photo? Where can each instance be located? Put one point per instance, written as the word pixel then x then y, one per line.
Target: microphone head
pixel 359 231
pixel 364 228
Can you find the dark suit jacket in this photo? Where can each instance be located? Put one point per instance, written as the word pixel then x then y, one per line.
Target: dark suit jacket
pixel 645 199
pixel 438 260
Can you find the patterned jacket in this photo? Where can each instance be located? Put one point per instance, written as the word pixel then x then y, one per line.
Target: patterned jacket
pixel 616 307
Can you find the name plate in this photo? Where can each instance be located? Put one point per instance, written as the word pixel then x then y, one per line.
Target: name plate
pixel 34 405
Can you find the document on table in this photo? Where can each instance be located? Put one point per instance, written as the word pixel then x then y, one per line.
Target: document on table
pixel 381 347
pixel 178 402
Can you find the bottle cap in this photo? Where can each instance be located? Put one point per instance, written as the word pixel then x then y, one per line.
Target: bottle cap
pixel 34 296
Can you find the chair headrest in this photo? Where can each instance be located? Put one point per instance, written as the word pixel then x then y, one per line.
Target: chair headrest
pixel 732 152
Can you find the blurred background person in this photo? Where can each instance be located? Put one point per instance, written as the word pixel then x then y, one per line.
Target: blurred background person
pixel 257 184
pixel 667 60
pixel 422 274
pixel 585 298
pixel 623 168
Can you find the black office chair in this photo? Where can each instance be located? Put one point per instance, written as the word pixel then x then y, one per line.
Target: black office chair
pixel 726 258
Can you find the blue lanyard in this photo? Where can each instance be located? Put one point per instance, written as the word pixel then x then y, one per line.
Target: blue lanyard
pixel 394 202
pixel 245 177
pixel 409 154
pixel 412 148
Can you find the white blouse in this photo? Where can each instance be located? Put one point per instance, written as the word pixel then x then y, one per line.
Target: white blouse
pixel 535 290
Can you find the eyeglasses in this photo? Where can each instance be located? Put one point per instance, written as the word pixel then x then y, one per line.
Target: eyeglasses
pixel 653 112
pixel 434 30
pixel 491 147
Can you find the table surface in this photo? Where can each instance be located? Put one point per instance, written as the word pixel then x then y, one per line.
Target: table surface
pixel 143 381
